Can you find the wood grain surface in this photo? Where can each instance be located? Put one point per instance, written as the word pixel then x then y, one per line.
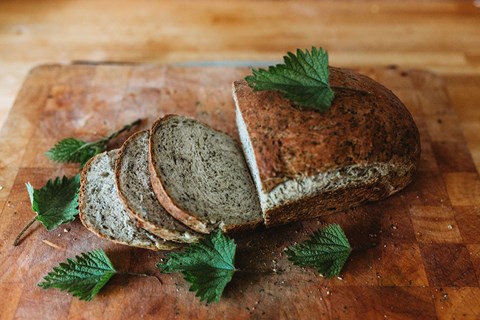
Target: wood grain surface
pixel 425 264
pixel 437 35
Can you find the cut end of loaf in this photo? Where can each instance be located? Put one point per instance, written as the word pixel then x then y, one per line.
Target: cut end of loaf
pixel 249 154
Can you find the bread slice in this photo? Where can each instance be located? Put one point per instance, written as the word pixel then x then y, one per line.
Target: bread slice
pixel 135 189
pixel 103 213
pixel 306 164
pixel 200 176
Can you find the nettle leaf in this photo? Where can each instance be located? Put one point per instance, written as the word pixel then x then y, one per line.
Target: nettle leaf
pixel 302 78
pixel 208 265
pixel 83 276
pixel 71 150
pixel 327 250
pixel 56 202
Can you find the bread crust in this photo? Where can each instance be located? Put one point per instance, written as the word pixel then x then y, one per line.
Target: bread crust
pixel 164 233
pixel 337 200
pixel 366 124
pixel 169 203
pixel 82 205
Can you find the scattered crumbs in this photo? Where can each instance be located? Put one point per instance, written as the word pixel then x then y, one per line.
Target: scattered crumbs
pixel 74 239
pixel 394 227
pixel 66 230
pixel 384 245
pixel 59 235
pixel 445 296
pixel 1 188
pixel 328 293
pixel 450 227
pixel 340 278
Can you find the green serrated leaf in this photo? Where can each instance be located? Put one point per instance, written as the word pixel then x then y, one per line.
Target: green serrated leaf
pixel 83 277
pixel 74 151
pixel 208 265
pixel 327 250
pixel 56 202
pixel 302 78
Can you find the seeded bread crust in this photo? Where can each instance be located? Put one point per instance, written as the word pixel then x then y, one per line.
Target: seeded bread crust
pixel 307 164
pixel 88 214
pixel 145 210
pixel 176 209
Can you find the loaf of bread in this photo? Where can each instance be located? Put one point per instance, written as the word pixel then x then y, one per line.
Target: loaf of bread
pixel 296 164
pixel 103 213
pixel 135 190
pixel 306 164
pixel 200 176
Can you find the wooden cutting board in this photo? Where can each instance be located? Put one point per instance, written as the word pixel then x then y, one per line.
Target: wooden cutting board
pixel 426 263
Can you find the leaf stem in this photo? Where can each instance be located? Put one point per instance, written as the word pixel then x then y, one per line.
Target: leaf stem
pixel 247 271
pixel 365 246
pixel 350 89
pixel 101 143
pixel 140 275
pixel 117 133
pixel 17 239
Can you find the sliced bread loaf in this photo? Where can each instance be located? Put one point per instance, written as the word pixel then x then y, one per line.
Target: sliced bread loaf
pixel 135 189
pixel 200 176
pixel 103 213
pixel 306 164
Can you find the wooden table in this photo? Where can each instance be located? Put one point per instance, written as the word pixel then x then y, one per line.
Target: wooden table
pixel 426 264
pixel 441 36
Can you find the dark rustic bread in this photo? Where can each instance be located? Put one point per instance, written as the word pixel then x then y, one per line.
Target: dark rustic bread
pixel 103 213
pixel 200 176
pixel 306 164
pixel 135 189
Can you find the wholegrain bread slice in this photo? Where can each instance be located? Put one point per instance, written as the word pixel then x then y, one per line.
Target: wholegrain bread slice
pixel 200 176
pixel 306 164
pixel 135 189
pixel 103 213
